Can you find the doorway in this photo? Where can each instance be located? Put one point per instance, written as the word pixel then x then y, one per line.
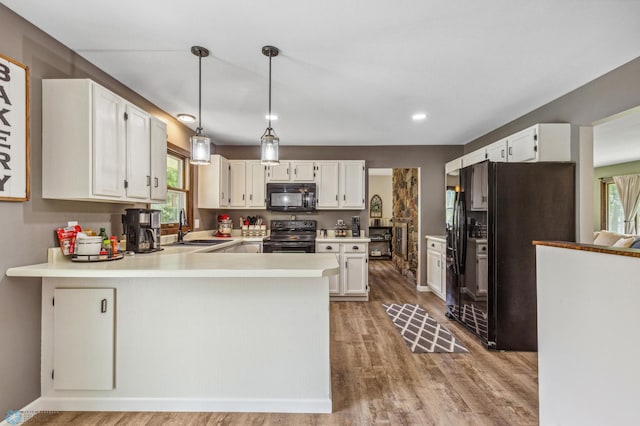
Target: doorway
pixel 397 219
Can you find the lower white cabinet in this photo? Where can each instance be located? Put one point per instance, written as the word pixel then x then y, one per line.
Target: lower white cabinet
pixel 436 266
pixel 83 338
pixel 353 281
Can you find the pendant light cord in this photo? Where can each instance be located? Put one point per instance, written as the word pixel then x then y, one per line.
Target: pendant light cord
pixel 270 90
pixel 199 129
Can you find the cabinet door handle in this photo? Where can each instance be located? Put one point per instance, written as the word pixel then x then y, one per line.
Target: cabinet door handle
pixel 344 197
pixel 355 248
pixel 295 171
pixel 222 196
pixel 336 197
pixel 502 153
pixel 103 306
pixel 438 263
pixel 433 245
pixel 242 197
pixel 510 150
pixel 148 180
pixel 250 197
pixel 329 248
pixel 156 181
pixel 287 171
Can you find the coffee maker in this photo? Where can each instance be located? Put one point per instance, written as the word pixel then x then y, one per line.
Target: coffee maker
pixel 142 228
pixel 355 226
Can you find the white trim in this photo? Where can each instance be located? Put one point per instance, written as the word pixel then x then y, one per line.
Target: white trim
pixel 185 404
pixel 424 288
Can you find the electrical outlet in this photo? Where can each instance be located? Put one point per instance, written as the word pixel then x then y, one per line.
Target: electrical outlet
pixel 196 223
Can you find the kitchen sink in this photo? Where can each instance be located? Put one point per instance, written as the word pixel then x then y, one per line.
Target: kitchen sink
pixel 200 242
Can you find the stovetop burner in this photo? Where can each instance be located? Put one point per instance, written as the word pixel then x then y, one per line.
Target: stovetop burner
pixel 291 236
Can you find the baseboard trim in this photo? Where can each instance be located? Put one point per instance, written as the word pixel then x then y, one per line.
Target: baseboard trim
pixel 186 405
pixel 423 288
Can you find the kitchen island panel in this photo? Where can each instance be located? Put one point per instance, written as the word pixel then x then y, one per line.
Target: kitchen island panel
pixel 206 344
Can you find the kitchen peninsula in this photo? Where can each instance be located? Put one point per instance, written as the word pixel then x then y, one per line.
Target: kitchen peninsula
pixel 186 330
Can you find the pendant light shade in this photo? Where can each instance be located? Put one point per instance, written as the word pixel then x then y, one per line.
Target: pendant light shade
pixel 200 144
pixel 270 141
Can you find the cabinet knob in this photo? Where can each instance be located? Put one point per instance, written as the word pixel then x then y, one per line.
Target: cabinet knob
pixel 329 248
pixel 355 247
pixel 433 245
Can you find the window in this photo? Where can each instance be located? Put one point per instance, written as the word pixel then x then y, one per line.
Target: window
pixel 612 214
pixel 178 189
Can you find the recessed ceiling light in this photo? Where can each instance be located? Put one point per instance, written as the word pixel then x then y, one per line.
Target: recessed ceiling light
pixel 419 116
pixel 271 117
pixel 186 118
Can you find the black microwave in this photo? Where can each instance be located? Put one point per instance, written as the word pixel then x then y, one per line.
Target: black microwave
pixel 291 197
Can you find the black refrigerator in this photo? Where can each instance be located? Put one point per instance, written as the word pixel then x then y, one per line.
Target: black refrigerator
pixel 497 211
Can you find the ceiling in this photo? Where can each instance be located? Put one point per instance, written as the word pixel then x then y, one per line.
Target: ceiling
pixel 350 72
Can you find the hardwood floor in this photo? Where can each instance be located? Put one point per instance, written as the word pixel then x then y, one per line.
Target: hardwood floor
pixel 377 380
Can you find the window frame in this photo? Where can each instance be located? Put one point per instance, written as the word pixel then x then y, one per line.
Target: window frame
pixel 188 171
pixel 604 203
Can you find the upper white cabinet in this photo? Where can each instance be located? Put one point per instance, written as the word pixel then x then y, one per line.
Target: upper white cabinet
pixel 246 184
pixel 453 166
pixel 138 136
pixel 83 352
pixel 340 185
pixel 352 184
pixel 541 142
pixel 292 171
pixel 497 151
pixel 158 160
pixel 474 157
pixel 328 185
pixel 213 184
pixel 96 146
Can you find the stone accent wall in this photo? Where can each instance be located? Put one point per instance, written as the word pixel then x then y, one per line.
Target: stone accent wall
pixel 405 209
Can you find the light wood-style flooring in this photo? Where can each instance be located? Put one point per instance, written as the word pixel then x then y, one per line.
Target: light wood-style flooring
pixel 377 380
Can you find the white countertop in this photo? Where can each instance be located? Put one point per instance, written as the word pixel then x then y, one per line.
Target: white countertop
pixel 343 240
pixel 441 238
pixel 188 262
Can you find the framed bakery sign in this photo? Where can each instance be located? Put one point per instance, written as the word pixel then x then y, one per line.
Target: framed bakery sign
pixel 14 130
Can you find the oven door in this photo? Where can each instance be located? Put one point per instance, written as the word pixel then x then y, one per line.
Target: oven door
pixel 288 247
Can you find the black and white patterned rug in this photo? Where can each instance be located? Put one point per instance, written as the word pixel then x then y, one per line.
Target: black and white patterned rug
pixel 473 317
pixel 421 332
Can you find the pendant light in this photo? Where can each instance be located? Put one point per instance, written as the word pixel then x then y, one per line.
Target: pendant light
pixel 269 141
pixel 200 144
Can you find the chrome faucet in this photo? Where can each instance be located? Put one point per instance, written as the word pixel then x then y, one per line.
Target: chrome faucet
pixel 182 221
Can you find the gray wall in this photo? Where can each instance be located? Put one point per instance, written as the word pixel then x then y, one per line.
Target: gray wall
pixel 614 92
pixel 28 227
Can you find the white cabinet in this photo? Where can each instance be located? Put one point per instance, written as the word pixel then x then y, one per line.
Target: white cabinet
pixel 96 146
pixel 213 184
pixel 303 171
pixel 352 184
pixel 436 266
pixel 340 185
pixel 279 172
pixel 256 187
pixel 353 281
pixel 246 184
pixel 479 186
pixel 83 339
pixel 138 137
pixel 482 268
pixel 328 187
pixel 474 157
pixel 497 151
pixel 452 167
pixel 541 142
pixel 158 160
pixel 292 171
pixel 237 183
